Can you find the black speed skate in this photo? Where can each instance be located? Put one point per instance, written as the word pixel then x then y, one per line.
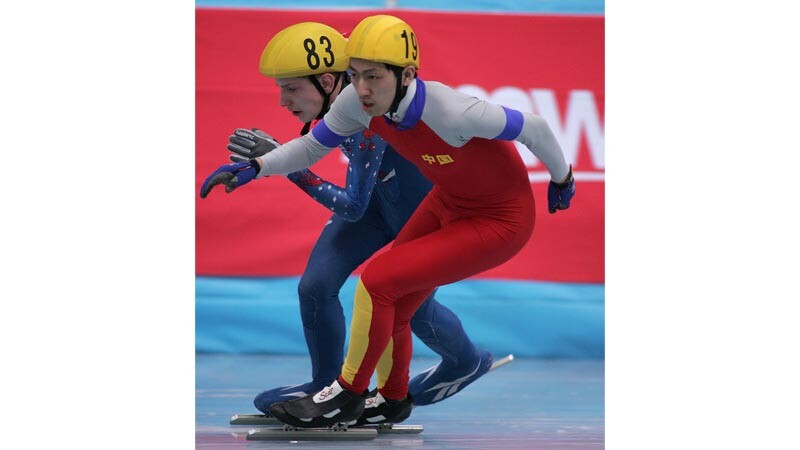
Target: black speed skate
pixel 326 408
pixel 380 410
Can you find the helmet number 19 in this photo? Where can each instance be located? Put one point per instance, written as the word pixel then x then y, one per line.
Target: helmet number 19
pixel 404 35
pixel 313 58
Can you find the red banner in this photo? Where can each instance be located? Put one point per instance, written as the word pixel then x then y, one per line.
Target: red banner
pixel 549 65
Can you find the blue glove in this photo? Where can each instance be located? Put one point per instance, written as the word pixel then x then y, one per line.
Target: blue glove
pixel 231 175
pixel 560 194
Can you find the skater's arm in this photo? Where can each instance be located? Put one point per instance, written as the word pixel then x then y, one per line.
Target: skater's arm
pixel 490 121
pixel 365 156
pixel 296 154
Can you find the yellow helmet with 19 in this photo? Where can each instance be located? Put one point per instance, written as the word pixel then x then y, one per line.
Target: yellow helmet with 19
pixel 385 39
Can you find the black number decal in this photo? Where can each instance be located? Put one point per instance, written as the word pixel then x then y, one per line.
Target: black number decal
pixel 324 40
pixel 404 35
pixel 313 58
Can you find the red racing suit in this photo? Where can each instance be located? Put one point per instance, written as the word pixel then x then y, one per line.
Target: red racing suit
pixel 478 215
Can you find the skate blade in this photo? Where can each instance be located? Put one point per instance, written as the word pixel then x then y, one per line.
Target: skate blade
pixel 311 434
pixel 386 428
pixel 254 419
pixel 501 362
pixel 391 428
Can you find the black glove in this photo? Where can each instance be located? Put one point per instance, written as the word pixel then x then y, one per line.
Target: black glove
pixel 247 144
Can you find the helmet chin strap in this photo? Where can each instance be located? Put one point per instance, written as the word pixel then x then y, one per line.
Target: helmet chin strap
pixel 326 98
pixel 400 90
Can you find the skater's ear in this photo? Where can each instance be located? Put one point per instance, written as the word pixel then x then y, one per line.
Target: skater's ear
pixel 409 73
pixel 327 81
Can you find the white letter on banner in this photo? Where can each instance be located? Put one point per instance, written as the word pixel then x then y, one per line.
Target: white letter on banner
pixel 581 114
pixel 473 90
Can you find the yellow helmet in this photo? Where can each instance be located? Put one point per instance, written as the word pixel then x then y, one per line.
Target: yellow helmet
pixel 307 48
pixel 385 39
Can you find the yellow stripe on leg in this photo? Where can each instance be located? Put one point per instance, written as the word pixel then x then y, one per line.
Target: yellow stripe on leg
pixel 359 333
pixel 385 364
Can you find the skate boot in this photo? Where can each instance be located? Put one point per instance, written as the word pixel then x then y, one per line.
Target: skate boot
pixel 327 407
pixel 442 380
pixel 378 410
pixel 265 399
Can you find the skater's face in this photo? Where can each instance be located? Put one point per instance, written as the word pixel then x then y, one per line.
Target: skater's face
pixel 301 98
pixel 375 84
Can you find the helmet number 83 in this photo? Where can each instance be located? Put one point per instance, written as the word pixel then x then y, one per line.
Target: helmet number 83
pixel 313 58
pixel 404 35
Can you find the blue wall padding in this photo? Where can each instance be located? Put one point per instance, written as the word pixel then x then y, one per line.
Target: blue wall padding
pixel 534 319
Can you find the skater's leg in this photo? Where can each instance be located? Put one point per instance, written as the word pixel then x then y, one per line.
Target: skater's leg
pixel 425 220
pixel 462 363
pixel 341 247
pixel 435 325
pixel 441 330
pixel 406 275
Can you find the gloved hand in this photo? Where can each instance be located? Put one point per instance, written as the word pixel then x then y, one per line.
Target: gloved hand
pixel 560 194
pixel 247 144
pixel 231 175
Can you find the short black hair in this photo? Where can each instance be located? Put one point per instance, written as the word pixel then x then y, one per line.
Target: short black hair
pixel 398 71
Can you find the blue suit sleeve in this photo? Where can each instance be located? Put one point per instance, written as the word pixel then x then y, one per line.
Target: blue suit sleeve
pixel 350 202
